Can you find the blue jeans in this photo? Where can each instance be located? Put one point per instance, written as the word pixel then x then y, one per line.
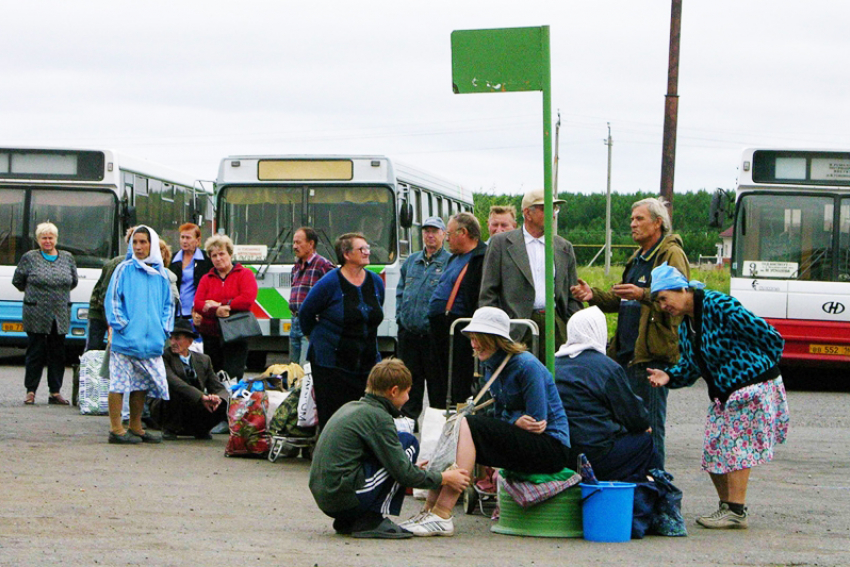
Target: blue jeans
pixel 654 400
pixel 297 342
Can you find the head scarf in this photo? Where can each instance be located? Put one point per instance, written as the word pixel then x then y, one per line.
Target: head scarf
pixel 586 330
pixel 153 263
pixel 666 277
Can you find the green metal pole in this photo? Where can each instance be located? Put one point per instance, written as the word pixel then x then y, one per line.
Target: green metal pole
pixel 548 209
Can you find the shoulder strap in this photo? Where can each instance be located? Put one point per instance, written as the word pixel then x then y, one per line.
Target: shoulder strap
pixel 491 380
pixel 450 303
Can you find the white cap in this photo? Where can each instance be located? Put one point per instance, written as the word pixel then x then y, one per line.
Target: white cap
pixel 491 321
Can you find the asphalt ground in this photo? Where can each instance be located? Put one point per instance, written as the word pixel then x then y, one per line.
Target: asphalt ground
pixel 69 498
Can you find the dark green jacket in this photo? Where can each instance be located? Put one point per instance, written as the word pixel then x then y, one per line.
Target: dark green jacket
pixel 98 293
pixel 358 430
pixel 658 338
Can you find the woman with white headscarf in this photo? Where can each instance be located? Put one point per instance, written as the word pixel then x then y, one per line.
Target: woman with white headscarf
pixel 139 311
pixel 608 422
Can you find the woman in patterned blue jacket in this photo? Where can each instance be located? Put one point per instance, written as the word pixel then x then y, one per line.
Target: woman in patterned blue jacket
pixel 737 354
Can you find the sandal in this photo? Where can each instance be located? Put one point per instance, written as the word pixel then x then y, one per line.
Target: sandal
pixel 57 399
pixel 387 529
pixel 30 399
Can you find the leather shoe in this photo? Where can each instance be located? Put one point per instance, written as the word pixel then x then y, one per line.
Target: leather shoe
pixel 30 399
pixel 146 437
pixel 168 435
pixel 126 439
pixel 58 400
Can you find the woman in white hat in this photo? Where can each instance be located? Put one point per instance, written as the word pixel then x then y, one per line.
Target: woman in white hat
pixel 529 432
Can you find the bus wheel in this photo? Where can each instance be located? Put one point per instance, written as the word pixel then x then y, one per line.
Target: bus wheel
pixel 256 360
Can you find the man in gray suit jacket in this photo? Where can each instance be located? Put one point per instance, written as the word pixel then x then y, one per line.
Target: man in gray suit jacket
pixel 198 399
pixel 515 270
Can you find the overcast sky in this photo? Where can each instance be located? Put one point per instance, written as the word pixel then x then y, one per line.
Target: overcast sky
pixel 188 82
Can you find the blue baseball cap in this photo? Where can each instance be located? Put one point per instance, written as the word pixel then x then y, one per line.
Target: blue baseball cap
pixel 435 222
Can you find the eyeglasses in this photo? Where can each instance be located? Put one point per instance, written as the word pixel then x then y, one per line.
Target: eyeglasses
pixel 365 249
pixel 453 232
pixel 555 208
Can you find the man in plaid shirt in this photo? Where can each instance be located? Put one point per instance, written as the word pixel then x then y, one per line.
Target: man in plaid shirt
pixel 308 269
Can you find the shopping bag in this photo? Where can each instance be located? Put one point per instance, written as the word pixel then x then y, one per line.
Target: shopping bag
pixel 94 390
pixel 246 416
pixel 307 414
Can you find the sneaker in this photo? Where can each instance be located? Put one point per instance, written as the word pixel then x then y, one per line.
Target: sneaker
pixel 430 524
pixel 414 519
pixel 724 519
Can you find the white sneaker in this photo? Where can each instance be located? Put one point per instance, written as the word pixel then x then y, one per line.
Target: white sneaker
pixel 414 518
pixel 429 524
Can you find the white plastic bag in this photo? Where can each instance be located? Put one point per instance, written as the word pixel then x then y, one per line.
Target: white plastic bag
pixel 307 414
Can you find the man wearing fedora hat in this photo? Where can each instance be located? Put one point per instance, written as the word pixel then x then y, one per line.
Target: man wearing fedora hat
pixel 198 399
pixel 514 277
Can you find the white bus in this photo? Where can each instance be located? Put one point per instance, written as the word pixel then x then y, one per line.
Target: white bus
pixel 262 200
pixel 92 196
pixel 791 250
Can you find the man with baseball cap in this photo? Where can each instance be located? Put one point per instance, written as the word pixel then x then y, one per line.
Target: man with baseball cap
pixel 419 276
pixel 198 399
pixel 514 277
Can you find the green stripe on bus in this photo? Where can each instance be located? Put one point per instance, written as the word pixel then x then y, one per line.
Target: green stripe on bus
pixel 273 302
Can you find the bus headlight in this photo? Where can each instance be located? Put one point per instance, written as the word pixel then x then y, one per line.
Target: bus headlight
pixel 83 313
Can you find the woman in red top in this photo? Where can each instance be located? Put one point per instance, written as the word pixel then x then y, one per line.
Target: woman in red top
pixel 225 289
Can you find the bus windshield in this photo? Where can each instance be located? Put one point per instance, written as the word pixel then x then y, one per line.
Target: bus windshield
pixel 793 237
pixel 85 220
pixel 265 217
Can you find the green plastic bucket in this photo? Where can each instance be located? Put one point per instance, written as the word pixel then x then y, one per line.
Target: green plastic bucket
pixel 607 511
pixel 559 516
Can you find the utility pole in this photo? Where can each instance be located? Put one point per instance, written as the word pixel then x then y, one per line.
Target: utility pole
pixel 671 107
pixel 610 143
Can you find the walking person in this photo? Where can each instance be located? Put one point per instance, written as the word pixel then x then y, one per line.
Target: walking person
pixel 46 276
pixel 737 354
pixel 140 312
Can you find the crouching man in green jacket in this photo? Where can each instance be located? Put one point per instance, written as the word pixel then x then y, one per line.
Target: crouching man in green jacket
pixel 361 463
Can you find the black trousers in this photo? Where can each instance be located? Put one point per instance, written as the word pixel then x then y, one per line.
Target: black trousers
pixel 463 365
pixel 230 357
pixel 335 387
pixel 45 349
pixel 185 417
pixel 417 353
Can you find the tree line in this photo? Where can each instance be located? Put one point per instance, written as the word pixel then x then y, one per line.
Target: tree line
pixel 582 221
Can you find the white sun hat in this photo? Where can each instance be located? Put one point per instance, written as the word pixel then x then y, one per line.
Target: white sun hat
pixel 491 321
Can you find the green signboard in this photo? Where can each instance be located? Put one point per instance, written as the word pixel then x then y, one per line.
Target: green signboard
pixel 499 60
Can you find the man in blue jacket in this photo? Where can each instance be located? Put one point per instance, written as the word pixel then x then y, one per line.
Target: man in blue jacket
pixel 419 276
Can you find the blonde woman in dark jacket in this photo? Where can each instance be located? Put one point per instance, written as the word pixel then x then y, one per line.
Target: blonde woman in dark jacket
pixel 46 276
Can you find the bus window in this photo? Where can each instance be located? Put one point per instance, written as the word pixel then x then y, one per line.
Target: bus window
pixel 789 231
pixel 84 219
pixel 12 239
pixel 844 242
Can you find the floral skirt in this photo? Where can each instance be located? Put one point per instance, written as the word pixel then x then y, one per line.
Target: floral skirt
pixel 742 433
pixel 130 374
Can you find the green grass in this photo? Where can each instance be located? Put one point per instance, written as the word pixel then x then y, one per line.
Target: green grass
pixel 595 276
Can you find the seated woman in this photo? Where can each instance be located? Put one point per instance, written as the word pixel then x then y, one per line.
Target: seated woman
pixel 608 422
pixel 529 433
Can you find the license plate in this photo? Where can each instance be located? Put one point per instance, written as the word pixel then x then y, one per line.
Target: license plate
pixel 831 350
pixel 287 327
pixel 13 327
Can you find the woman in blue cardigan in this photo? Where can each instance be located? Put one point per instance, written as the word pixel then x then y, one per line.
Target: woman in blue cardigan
pixel 341 315
pixel 737 354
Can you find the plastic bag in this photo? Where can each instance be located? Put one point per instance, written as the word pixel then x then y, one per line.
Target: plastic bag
pixel 307 414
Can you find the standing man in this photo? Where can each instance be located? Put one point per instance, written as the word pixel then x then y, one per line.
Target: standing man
pixel 647 337
pixel 308 269
pixel 197 399
pixel 455 297
pixel 502 219
pixel 514 277
pixel 419 276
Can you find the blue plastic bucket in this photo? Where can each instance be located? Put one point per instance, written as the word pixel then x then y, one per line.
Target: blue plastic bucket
pixel 607 511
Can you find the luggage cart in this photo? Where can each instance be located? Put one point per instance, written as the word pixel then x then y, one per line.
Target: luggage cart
pixel 290 446
pixel 474 497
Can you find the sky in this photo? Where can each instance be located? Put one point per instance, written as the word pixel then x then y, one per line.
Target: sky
pixel 188 82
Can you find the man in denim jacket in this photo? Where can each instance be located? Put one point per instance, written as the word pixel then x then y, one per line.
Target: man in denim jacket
pixel 419 276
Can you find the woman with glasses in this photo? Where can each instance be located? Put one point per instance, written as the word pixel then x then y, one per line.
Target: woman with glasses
pixel 341 315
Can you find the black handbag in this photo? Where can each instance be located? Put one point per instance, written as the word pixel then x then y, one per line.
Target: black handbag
pixel 240 325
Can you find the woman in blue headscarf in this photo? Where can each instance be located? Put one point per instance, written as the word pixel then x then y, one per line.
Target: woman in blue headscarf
pixel 737 354
pixel 140 313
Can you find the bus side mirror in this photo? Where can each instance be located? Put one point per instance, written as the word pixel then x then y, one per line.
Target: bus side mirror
pixel 129 217
pixel 720 208
pixel 405 215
